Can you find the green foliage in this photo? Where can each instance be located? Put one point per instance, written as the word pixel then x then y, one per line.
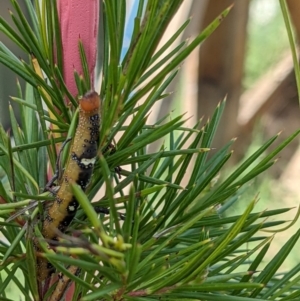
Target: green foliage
pixel 288 26
pixel 175 242
pixel 264 26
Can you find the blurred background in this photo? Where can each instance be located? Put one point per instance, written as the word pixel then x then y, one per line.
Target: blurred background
pixel 248 60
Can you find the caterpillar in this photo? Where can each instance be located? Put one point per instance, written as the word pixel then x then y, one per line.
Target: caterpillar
pixel 79 169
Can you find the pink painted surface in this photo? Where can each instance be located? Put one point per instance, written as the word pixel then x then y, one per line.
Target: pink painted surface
pixel 79 20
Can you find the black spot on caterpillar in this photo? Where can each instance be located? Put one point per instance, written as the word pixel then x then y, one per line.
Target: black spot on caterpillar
pixel 79 169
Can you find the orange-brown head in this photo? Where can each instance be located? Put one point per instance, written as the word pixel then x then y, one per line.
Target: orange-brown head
pixel 90 101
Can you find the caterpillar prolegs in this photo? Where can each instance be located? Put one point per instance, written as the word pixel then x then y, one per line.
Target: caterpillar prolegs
pixel 79 169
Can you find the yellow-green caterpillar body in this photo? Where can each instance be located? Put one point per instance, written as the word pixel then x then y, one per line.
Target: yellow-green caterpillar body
pixel 79 169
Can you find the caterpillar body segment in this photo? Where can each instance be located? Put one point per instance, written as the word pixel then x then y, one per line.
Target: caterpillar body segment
pixel 63 284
